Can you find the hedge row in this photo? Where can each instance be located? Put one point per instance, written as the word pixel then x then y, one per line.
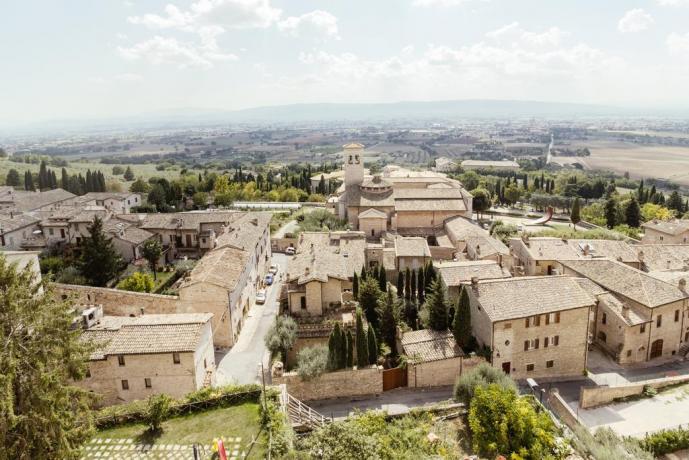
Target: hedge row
pixel 666 441
pixel 197 401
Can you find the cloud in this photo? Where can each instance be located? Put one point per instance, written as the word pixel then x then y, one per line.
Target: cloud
pixel 441 3
pixel 128 77
pixel 635 20
pixel 165 50
pixel 236 14
pixel 678 44
pixel 672 2
pixel 316 22
pixel 174 18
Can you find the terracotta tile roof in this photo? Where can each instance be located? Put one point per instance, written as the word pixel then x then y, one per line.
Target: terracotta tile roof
pixel 120 335
pixel 626 281
pixel 28 201
pixel 456 273
pixel 411 246
pixel 222 267
pixel 658 257
pixel 428 345
pixel 669 227
pixel 625 312
pixel 321 255
pixel 430 205
pixel 513 298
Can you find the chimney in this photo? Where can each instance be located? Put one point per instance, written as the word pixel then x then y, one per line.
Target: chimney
pixel 586 249
pixel 142 311
pixel 474 285
pixel 625 310
pixel 306 271
pixel 640 256
pixel 682 284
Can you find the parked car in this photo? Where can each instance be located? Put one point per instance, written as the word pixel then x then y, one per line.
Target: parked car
pixel 274 269
pixel 269 279
pixel 290 251
pixel 261 297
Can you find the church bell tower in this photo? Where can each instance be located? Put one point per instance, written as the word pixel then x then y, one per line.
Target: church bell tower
pixel 353 164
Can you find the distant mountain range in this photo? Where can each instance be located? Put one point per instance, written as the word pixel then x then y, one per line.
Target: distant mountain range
pixel 406 111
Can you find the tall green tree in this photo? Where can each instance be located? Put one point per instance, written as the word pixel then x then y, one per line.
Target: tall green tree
pixel 99 261
pixel 388 322
pixel 461 324
pixel 412 284
pixel 632 213
pixel 575 214
pixel 407 284
pixel 372 346
pixel 364 274
pixel 481 201
pixel 335 350
pixel 611 212
pixel 13 179
pixel 28 182
pixel 350 349
pixel 152 251
pixel 675 202
pixel 281 336
pixel 421 285
pixel 400 284
pixel 128 174
pixel 361 342
pixel 355 286
pixel 430 275
pixel 436 303
pixel 342 356
pixel 369 297
pixel 42 415
pixel 382 280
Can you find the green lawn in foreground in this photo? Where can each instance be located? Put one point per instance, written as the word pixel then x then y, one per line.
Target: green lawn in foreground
pixel 202 427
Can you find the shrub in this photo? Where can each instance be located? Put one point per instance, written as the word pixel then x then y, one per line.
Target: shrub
pixel 137 282
pixel 52 265
pixel 312 362
pixel 649 391
pixel 71 275
pixel 666 441
pixel 484 374
pixel 606 445
pixel 281 336
pixel 158 410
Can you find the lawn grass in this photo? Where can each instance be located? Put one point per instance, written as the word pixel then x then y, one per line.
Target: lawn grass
pixel 202 427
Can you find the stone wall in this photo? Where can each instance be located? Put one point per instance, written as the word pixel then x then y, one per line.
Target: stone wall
pixel 439 373
pixel 119 303
pixel 598 396
pixel 344 383
pixel 562 409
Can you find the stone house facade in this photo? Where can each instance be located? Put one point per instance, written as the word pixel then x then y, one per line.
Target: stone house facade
pixel 666 232
pixel 535 326
pixel 148 355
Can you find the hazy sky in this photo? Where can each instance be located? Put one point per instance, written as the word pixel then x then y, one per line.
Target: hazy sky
pixel 79 58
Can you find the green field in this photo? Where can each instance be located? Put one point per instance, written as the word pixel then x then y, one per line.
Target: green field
pixel 179 433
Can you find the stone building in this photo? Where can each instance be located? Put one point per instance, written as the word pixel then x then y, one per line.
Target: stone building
pixel 535 326
pixel 503 165
pixel 15 229
pixel 147 355
pixel 472 242
pixel 666 232
pixel 435 359
pixel 540 255
pixel 639 317
pixel 319 277
pixel 409 201
pixel 457 274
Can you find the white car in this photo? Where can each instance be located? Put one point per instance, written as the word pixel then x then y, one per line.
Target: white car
pixel 290 251
pixel 261 297
pixel 274 269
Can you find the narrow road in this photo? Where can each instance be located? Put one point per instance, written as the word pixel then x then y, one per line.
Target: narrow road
pixel 242 363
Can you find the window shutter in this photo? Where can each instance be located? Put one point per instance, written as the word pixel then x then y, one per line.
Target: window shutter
pixel 545 342
pixel 526 345
pixel 556 340
pixel 538 320
pixel 547 319
pixel 526 323
pixel 557 317
pixel 536 344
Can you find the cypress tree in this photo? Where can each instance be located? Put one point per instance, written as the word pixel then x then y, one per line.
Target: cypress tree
pixel 382 280
pixel 64 183
pixel 437 307
pixel 430 275
pixel 413 284
pixel 388 323
pixel 369 296
pixel 350 349
pixel 355 286
pixel 128 174
pixel 361 342
pixel 43 179
pixel 411 314
pixel 611 212
pixel 575 215
pixel 421 286
pixel 363 274
pixel 99 261
pixel 407 284
pixel 632 213
pixel 400 284
pixel 334 348
pixel 372 347
pixel 342 350
pixel 461 325
pixel 53 180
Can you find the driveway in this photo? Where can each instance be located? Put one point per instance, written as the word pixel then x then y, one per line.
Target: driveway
pixel 398 401
pixel 241 363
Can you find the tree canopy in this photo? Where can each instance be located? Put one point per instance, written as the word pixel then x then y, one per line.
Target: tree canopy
pixel 99 261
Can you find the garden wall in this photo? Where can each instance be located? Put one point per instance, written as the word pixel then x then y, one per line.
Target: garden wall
pixel 441 372
pixel 344 383
pixel 601 395
pixel 120 303
pixel 562 409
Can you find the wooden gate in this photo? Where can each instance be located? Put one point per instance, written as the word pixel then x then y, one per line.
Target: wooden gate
pixel 394 378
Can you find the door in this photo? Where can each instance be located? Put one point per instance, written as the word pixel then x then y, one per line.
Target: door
pixel 188 241
pixel 394 378
pixel 506 367
pixel 62 233
pixel 657 348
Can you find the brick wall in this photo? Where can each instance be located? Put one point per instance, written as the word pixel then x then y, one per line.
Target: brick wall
pixel 344 383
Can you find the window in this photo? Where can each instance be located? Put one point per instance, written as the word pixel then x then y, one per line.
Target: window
pixel 531 344
pixel 530 367
pixel 676 315
pixel 51 232
pixel 629 353
pixel 642 328
pixel 125 384
pixel 175 358
pixel 552 318
pixel 552 341
pixel 204 363
pixel 604 319
pixel 549 364
pixel 147 382
pixel 602 337
pixel 659 320
pixel 507 326
pixel 533 321
pixel 120 360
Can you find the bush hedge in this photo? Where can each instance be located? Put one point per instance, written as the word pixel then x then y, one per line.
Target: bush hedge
pixel 666 441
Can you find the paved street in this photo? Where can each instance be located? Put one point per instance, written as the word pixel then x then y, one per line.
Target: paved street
pixel 398 401
pixel 241 363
